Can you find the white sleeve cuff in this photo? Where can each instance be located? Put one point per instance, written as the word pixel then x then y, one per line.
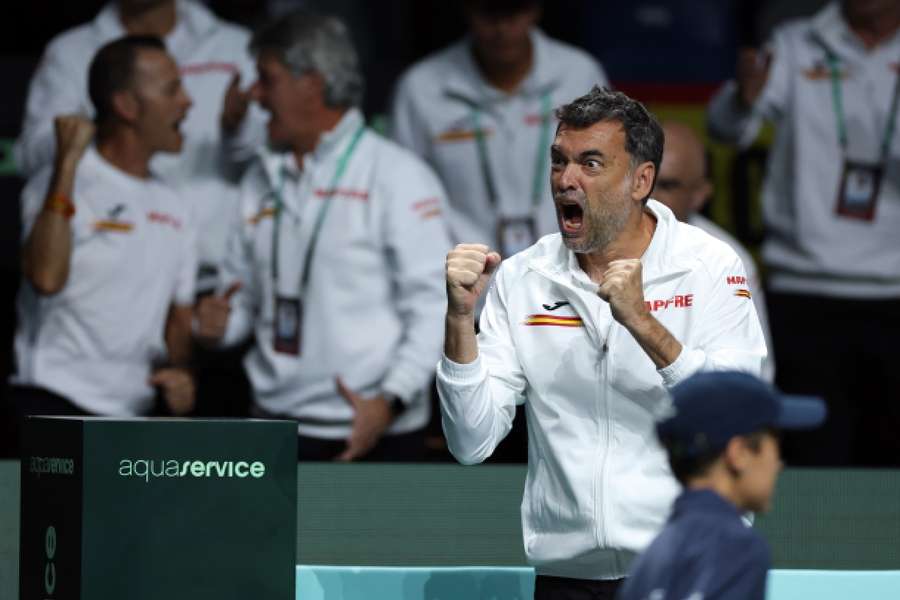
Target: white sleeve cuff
pixel 461 372
pixel 688 362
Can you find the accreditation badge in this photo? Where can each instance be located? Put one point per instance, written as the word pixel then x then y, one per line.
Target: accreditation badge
pixel 858 190
pixel 515 234
pixel 288 320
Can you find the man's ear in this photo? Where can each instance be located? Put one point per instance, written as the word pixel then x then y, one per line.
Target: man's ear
pixel 737 455
pixel 126 106
pixel 642 180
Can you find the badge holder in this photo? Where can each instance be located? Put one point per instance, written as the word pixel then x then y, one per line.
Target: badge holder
pixel 288 323
pixel 858 190
pixel 515 234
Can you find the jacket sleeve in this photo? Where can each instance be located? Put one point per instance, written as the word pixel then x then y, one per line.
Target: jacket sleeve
pixel 478 400
pixel 238 267
pixel 416 243
pixel 729 122
pixel 54 90
pixel 728 333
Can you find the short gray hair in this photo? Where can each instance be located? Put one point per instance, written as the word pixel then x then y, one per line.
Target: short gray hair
pixel 644 137
pixel 309 42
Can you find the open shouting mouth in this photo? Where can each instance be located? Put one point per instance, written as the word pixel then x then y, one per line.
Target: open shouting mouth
pixel 570 213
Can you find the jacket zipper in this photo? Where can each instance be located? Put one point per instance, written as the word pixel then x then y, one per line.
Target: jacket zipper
pixel 602 534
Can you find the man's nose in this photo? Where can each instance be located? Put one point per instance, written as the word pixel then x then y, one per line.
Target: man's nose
pixel 567 178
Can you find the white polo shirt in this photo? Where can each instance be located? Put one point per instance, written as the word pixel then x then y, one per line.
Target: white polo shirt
pixel 434 114
pixel 208 51
pixel 133 256
pixel 809 247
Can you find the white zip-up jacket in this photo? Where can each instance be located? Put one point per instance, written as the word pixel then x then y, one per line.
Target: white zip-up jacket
pixel 208 52
pixel 373 312
pixel 810 248
pixel 598 487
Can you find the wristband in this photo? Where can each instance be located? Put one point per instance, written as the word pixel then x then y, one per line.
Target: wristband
pixel 61 205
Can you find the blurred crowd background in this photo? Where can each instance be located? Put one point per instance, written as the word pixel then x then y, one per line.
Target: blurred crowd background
pixel 673 55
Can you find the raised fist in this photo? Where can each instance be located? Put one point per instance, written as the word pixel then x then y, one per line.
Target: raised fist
pixel 73 135
pixel 469 269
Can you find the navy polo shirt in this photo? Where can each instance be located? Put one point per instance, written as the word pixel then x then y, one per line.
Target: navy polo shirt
pixel 705 551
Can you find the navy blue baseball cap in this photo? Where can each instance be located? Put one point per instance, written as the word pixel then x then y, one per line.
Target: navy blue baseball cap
pixel 711 407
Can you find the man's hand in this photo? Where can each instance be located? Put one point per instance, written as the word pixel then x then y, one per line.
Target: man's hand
pixel 469 268
pixel 371 418
pixel 73 135
pixel 752 74
pixel 623 288
pixel 235 104
pixel 212 314
pixel 177 387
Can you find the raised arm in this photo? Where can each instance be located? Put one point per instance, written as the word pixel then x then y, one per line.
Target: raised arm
pixel 47 251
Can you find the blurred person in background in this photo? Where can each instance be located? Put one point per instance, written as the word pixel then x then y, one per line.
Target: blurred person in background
pixel 334 265
pixel 480 112
pixel 220 136
pixel 108 253
pixel 588 329
pixel 831 207
pixel 684 186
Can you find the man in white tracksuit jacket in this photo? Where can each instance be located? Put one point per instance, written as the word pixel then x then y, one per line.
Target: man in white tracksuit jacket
pixel 342 290
pixel 588 328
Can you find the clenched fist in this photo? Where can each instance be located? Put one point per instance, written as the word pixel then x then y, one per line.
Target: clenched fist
pixel 234 104
pixel 212 314
pixel 623 288
pixel 469 269
pixel 73 135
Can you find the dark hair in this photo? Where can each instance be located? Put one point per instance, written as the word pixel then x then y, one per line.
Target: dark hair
pixel 306 42
pixel 500 7
pixel 687 466
pixel 112 70
pixel 644 139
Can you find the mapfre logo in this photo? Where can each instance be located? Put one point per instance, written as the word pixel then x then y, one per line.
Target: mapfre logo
pixel 148 469
pixel 677 301
pixel 736 280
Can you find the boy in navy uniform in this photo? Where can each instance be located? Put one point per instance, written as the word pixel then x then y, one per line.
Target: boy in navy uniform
pixel 723 448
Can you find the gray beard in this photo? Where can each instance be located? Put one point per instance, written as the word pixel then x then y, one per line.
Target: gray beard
pixel 604 224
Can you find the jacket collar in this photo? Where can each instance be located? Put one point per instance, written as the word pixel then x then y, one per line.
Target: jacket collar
pixel 704 501
pixel 468 85
pixel 193 18
pixel 330 144
pixel 660 260
pixel 829 27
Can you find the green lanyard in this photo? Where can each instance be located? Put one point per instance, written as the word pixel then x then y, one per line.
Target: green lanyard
pixel 837 101
pixel 320 218
pixel 539 162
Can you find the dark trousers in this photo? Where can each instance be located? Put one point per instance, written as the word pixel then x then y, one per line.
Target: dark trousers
pixel 563 588
pixel 847 352
pixel 404 447
pixel 22 401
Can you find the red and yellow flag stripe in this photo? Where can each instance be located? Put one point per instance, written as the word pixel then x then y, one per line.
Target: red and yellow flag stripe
pixel 742 293
pixel 107 225
pixel 553 320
